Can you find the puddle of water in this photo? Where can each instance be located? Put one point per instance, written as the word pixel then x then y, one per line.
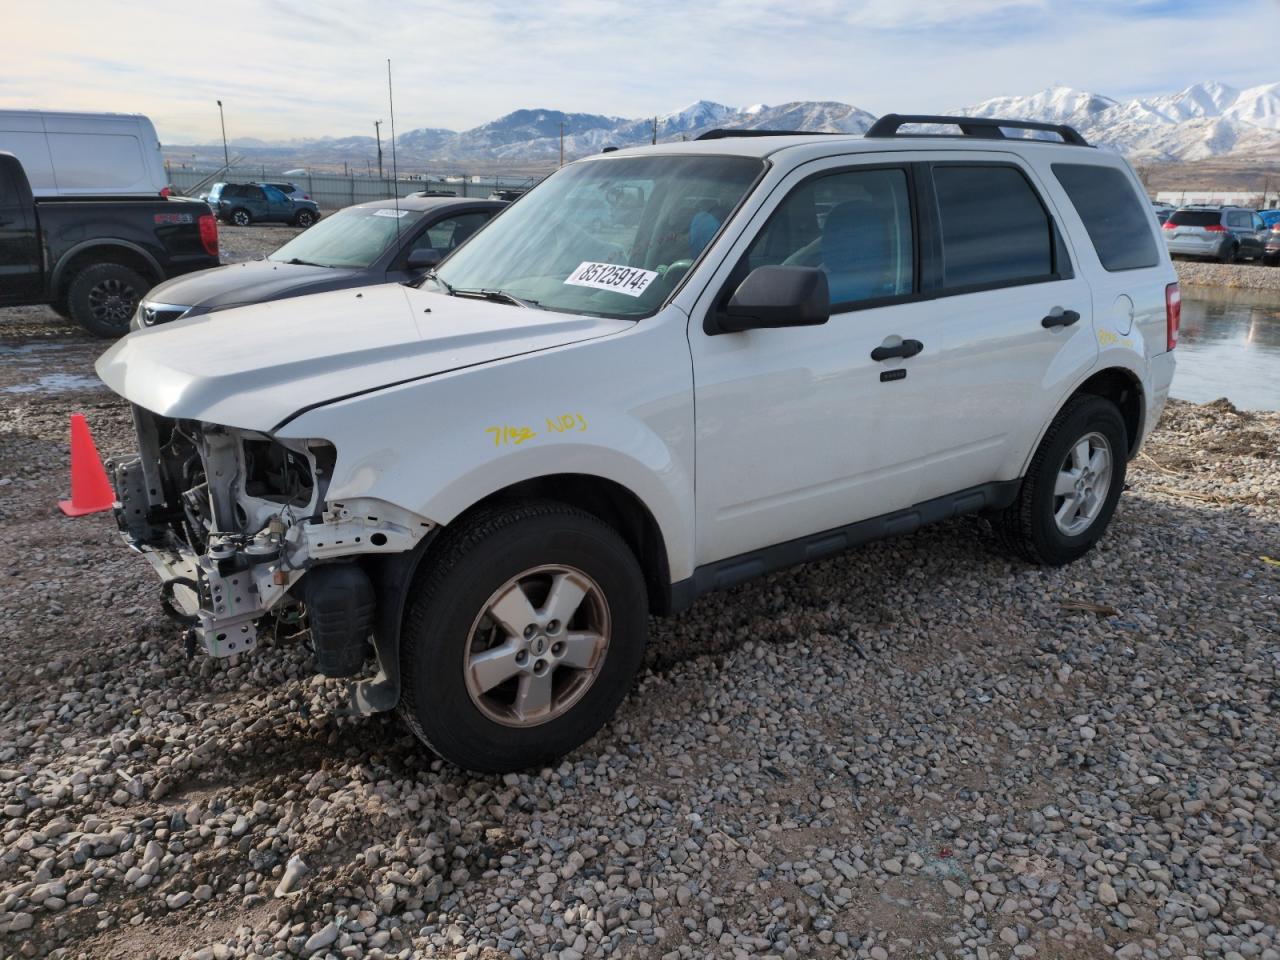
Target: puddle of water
pixel 56 383
pixel 1229 346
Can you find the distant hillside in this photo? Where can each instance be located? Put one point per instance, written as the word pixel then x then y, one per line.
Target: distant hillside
pixel 1203 121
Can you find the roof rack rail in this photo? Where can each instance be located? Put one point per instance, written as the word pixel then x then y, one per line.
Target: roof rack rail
pixel 721 133
pixel 985 127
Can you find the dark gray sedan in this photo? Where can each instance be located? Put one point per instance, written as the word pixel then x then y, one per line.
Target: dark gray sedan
pixel 369 243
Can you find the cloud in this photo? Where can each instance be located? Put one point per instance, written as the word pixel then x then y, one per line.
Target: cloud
pixel 289 69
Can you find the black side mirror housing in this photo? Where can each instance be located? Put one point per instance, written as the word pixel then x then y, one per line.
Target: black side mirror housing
pixel 777 296
pixel 424 258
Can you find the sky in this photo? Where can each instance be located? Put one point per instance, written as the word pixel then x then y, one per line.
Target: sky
pixel 289 69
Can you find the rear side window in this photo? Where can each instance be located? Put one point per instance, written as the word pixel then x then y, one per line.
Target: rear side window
pixel 994 228
pixel 1238 220
pixel 1195 218
pixel 1113 215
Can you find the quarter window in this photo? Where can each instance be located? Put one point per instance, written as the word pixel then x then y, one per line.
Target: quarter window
pixel 855 226
pixel 1114 217
pixel 994 228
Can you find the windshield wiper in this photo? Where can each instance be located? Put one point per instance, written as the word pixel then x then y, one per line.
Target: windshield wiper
pixel 494 296
pixel 416 282
pixel 305 263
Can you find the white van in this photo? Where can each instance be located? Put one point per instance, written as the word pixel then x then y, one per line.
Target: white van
pixel 85 154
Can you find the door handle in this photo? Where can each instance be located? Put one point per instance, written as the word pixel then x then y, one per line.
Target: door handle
pixel 907 348
pixel 1064 319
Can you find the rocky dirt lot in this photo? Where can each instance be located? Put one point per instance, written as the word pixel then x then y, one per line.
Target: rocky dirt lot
pixel 921 749
pixel 1240 276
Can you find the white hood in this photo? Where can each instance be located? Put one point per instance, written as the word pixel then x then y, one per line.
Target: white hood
pixel 255 367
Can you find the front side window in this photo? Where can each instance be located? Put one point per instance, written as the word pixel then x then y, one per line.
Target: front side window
pixel 274 195
pixel 854 225
pixel 354 237
pixel 994 229
pixel 1113 215
pixel 450 232
pixel 609 237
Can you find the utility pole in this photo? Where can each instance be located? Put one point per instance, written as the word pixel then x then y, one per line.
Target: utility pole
pixel 655 131
pixel 377 132
pixel 226 158
pixel 562 143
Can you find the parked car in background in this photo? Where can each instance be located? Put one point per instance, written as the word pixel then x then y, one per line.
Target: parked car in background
pixel 1220 233
pixel 246 203
pixel 357 246
pixel 802 343
pixel 511 195
pixel 1271 246
pixel 93 258
pixel 1162 210
pixel 1270 218
pixel 290 190
pixel 85 154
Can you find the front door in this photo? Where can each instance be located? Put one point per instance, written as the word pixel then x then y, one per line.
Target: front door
pixel 21 269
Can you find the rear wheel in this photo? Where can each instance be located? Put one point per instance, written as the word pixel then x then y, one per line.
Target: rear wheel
pixel 523 632
pixel 102 298
pixel 1229 255
pixel 241 217
pixel 1071 488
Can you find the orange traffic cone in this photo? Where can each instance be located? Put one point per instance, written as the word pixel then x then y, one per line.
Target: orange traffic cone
pixel 90 490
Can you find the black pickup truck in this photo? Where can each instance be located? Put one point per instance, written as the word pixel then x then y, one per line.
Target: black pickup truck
pixel 93 259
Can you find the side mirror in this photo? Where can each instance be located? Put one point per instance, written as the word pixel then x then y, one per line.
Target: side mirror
pixel 424 258
pixel 777 296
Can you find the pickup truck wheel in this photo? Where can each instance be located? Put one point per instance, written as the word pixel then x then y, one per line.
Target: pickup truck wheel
pixel 241 217
pixel 102 298
pixel 522 634
pixel 304 219
pixel 1072 486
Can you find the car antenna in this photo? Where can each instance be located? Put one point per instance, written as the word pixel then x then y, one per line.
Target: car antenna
pixel 395 175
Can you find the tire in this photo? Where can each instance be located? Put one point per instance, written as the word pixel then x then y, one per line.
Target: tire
pixel 304 219
pixel 241 217
pixel 1229 255
pixel 62 309
pixel 102 298
pixel 1030 528
pixel 475 721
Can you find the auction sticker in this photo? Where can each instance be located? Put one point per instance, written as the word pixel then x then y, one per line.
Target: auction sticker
pixel 617 277
pixel 396 214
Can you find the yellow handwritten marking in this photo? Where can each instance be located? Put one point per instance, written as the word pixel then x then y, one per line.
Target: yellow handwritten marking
pixel 516 435
pixel 1106 337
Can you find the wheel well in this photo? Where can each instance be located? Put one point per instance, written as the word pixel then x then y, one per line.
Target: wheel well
pixel 615 505
pixel 103 253
pixel 1124 390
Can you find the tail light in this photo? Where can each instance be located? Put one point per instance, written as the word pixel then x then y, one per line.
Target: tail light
pixel 209 234
pixel 166 192
pixel 1216 228
pixel 1172 314
pixel 306 196
pixel 1170 225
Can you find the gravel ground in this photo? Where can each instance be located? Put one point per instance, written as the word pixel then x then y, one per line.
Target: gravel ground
pixel 1244 276
pixel 918 749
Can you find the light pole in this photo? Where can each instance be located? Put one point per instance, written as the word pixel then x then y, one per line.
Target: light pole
pixel 377 132
pixel 226 159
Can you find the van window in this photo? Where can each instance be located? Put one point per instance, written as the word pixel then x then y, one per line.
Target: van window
pixel 1195 218
pixel 994 228
pixel 96 161
pixel 1113 215
pixel 855 225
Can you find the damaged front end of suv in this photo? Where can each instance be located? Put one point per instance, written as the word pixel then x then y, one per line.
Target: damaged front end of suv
pixel 237 525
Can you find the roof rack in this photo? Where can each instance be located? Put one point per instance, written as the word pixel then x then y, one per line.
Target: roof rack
pixel 721 134
pixel 985 127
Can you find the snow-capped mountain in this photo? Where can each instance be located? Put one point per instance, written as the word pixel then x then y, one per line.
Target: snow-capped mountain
pixel 1206 120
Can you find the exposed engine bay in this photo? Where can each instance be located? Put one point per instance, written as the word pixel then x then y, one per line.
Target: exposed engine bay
pixel 232 520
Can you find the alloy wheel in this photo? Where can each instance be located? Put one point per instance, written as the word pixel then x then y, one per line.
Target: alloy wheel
pixel 1082 485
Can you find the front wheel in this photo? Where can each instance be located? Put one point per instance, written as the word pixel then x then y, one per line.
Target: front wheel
pixel 523 631
pixel 304 219
pixel 1071 488
pixel 102 298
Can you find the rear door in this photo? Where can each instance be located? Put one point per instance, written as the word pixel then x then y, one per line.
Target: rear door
pixel 1128 271
pixel 21 268
pixel 279 207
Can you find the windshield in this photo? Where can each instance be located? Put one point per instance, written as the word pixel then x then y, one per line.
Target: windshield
pixel 354 237
pixel 610 237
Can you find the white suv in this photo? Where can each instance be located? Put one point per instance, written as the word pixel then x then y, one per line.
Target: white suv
pixel 748 352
